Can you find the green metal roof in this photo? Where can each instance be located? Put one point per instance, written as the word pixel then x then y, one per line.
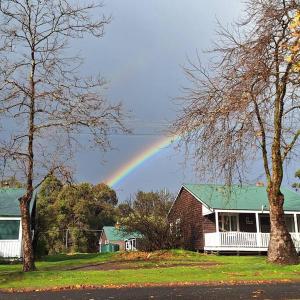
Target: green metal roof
pixel 9 203
pixel 240 198
pixel 114 234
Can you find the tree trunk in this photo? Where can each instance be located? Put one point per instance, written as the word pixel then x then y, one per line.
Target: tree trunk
pixel 28 256
pixel 281 247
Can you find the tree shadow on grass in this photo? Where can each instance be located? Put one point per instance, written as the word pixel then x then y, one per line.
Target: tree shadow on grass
pixel 11 276
pixel 64 257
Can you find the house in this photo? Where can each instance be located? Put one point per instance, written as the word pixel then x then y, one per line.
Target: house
pixel 219 218
pixel 10 222
pixel 113 238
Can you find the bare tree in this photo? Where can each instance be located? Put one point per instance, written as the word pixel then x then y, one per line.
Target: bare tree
pixel 246 105
pixel 44 103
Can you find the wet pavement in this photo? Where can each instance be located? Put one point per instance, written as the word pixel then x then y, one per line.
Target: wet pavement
pixel 267 291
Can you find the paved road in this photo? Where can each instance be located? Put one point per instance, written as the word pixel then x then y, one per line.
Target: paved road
pixel 276 291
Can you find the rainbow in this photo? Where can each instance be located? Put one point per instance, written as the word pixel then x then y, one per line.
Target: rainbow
pixel 135 162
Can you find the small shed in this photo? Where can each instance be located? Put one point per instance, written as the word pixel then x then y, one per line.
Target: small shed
pixel 113 239
pixel 10 222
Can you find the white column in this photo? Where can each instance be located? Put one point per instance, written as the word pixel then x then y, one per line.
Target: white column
pixel 297 238
pixel 217 221
pixel 20 239
pixel 296 224
pixel 218 239
pixel 258 235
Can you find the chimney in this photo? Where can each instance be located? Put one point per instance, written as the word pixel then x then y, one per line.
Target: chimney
pixel 260 183
pixel 117 225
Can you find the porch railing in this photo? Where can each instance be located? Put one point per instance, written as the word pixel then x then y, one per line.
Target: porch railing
pixel 233 240
pixel 10 248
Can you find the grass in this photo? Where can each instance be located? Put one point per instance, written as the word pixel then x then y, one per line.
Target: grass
pixel 163 267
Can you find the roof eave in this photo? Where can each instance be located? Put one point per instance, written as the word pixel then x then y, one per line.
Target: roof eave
pixel 212 209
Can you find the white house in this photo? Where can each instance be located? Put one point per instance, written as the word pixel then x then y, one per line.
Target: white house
pixel 10 222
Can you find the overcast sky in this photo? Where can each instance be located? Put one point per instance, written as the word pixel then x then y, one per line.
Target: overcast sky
pixel 141 56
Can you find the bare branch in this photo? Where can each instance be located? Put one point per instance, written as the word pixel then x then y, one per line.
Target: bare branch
pixel 45 102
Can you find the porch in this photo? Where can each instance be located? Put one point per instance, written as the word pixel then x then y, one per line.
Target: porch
pixel 242 241
pixel 246 231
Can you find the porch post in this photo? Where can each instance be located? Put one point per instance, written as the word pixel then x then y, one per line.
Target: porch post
pixel 258 235
pixel 217 228
pixel 297 237
pixel 20 240
pixel 296 224
pixel 217 220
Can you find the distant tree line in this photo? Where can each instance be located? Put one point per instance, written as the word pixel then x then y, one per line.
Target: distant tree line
pixel 70 217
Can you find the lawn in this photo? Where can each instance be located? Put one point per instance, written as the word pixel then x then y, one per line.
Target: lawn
pixel 163 267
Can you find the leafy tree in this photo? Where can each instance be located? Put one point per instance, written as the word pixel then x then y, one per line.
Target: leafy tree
pixel 245 106
pixel 46 232
pixel 104 193
pixel 147 215
pixel 69 214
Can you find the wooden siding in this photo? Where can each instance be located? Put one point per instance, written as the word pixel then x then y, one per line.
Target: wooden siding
pixel 10 248
pixel 209 223
pixel 193 224
pixel 103 238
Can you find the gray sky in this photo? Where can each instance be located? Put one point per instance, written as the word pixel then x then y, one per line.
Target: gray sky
pixel 141 55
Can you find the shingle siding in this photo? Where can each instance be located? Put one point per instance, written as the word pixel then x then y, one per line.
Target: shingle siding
pixel 192 224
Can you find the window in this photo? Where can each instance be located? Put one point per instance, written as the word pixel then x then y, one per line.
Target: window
pixel 289 221
pixel 177 228
pixel 228 222
pixel 264 221
pixel 9 229
pixel 249 221
pixel 265 226
pixel 233 223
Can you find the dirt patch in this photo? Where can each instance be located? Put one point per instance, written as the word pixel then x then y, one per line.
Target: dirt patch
pixel 126 265
pixel 140 255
